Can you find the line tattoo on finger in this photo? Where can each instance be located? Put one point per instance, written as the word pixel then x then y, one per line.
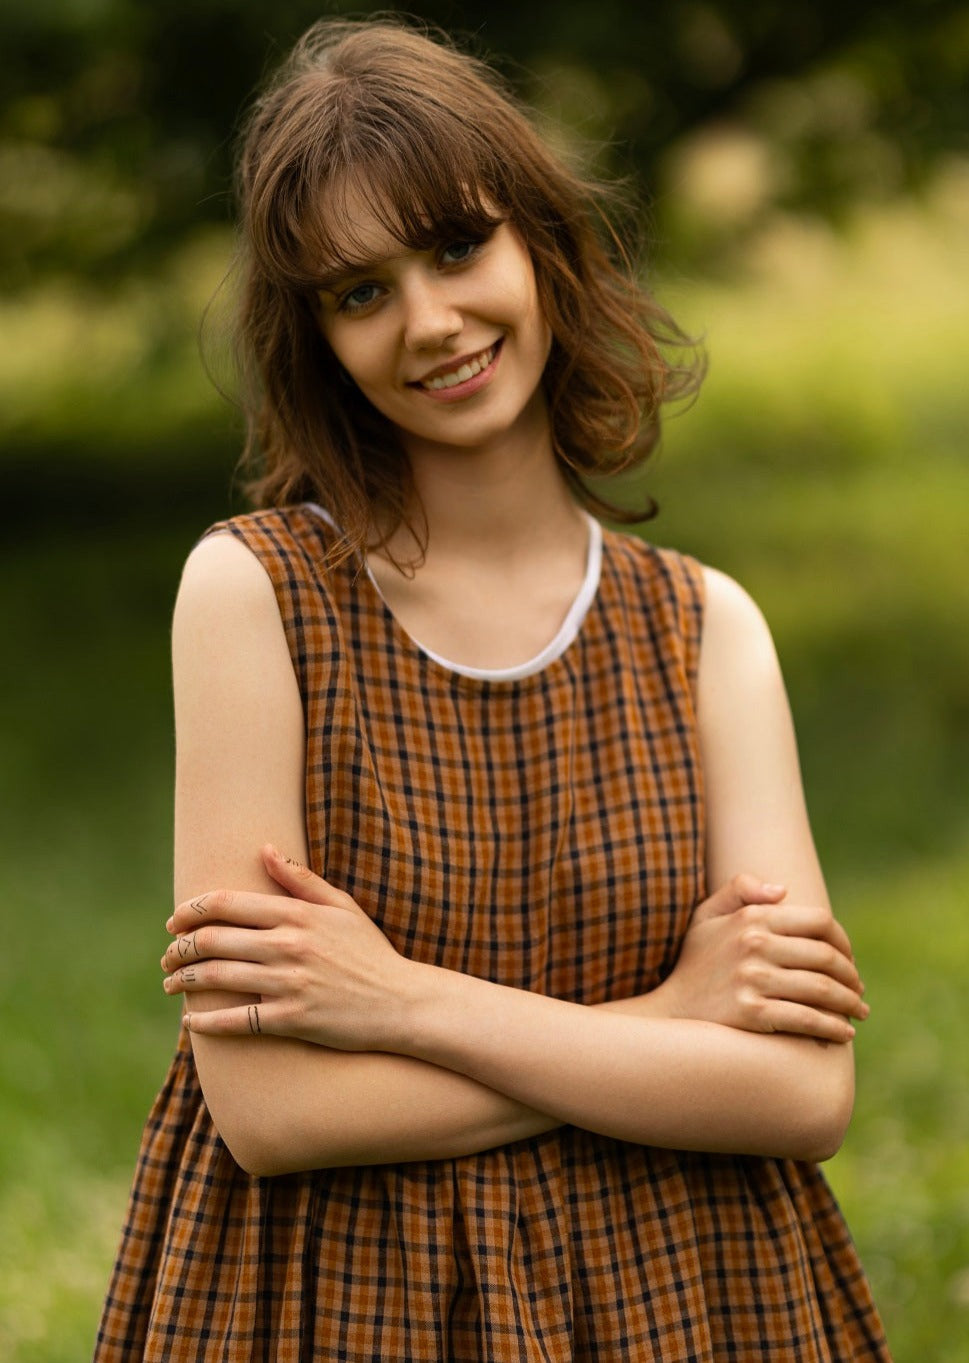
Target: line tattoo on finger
pixel 188 974
pixel 254 1026
pixel 187 944
pixel 198 905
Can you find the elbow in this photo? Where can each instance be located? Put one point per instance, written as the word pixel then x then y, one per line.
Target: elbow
pixel 263 1148
pixel 253 1153
pixel 828 1107
pixel 259 1156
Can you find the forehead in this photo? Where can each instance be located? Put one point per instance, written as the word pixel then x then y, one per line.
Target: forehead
pixel 359 225
pixel 362 219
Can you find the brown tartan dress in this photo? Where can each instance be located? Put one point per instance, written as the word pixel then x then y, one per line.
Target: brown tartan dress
pixel 546 832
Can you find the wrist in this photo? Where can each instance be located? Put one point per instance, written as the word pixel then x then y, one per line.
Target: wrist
pixel 665 1001
pixel 421 1000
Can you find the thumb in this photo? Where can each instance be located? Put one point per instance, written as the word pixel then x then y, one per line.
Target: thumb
pixel 742 889
pixel 298 880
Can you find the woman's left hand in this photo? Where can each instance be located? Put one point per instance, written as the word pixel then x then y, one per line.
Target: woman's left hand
pixel 322 970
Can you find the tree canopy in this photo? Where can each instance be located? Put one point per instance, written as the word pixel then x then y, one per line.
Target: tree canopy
pixel 116 116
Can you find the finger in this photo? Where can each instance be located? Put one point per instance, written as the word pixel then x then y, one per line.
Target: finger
pixel 737 893
pixel 236 977
pixel 217 941
pixel 825 926
pixel 251 1019
pixel 244 908
pixel 819 991
pixel 801 920
pixel 807 953
pixel 300 881
pixel 799 1020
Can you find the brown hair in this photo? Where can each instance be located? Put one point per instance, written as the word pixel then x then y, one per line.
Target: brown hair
pixel 442 145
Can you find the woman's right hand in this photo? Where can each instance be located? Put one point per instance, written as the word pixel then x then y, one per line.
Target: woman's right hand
pixel 751 961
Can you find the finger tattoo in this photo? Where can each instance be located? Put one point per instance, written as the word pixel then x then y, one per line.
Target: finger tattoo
pixel 253 1011
pixel 187 944
pixel 198 905
pixel 188 974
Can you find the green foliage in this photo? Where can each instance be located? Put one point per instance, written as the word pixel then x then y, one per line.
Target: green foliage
pixel 116 116
pixel 824 466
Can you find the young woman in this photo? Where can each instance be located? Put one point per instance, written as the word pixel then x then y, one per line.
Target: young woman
pixel 507 1083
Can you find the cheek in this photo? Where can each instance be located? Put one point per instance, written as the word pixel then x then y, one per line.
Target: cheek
pixel 353 354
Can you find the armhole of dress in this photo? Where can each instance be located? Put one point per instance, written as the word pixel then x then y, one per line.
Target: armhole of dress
pixel 693 607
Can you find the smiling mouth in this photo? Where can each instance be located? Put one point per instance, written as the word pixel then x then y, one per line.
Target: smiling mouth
pixel 468 369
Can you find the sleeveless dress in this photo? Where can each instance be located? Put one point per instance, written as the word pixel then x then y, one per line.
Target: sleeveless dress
pixel 543 828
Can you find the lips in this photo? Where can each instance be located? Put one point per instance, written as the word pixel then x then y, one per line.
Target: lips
pixel 460 372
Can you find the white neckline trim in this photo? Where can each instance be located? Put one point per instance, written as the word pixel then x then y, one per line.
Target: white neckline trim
pixel 564 637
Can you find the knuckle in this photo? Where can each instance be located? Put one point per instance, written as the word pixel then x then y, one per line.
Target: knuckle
pixel 300 914
pixel 196 945
pixel 757 977
pixel 290 942
pixel 826 988
pixel 753 939
pixel 298 980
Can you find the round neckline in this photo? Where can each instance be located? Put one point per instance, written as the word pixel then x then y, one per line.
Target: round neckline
pixel 561 641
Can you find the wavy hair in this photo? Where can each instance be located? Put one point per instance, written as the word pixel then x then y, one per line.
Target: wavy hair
pixel 445 151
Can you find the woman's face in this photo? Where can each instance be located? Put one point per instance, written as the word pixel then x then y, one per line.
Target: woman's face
pixel 449 344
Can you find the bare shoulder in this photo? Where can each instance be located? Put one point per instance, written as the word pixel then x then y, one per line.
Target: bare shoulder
pixel 224 593
pixel 733 622
pixel 228 639
pixel 738 661
pixel 221 572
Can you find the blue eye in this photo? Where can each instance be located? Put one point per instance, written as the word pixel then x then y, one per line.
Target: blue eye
pixel 459 252
pixel 359 297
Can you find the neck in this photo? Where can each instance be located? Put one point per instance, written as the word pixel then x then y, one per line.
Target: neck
pixel 484 502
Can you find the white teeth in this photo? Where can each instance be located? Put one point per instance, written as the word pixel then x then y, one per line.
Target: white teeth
pixel 467 371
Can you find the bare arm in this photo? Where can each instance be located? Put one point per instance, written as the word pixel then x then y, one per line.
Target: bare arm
pixel 279 1103
pixel 727 1091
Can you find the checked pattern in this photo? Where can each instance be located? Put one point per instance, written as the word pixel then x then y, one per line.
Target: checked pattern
pixel 546 832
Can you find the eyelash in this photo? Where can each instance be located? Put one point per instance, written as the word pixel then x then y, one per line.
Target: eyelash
pixel 347 306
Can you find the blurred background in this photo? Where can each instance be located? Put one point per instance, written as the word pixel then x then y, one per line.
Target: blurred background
pixel 805 167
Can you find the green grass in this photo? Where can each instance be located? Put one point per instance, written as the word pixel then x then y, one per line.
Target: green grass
pixel 824 466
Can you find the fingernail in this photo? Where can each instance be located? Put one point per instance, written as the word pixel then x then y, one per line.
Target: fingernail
pixel 187 1021
pixel 170 924
pixel 274 851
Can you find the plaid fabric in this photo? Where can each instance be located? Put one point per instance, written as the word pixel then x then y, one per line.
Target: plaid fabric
pixel 547 833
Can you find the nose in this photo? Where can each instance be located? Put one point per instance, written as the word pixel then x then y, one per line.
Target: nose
pixel 431 316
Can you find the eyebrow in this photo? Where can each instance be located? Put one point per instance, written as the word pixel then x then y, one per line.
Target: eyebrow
pixel 333 280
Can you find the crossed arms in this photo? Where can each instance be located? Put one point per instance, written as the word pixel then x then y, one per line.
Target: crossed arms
pixel 365 1057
